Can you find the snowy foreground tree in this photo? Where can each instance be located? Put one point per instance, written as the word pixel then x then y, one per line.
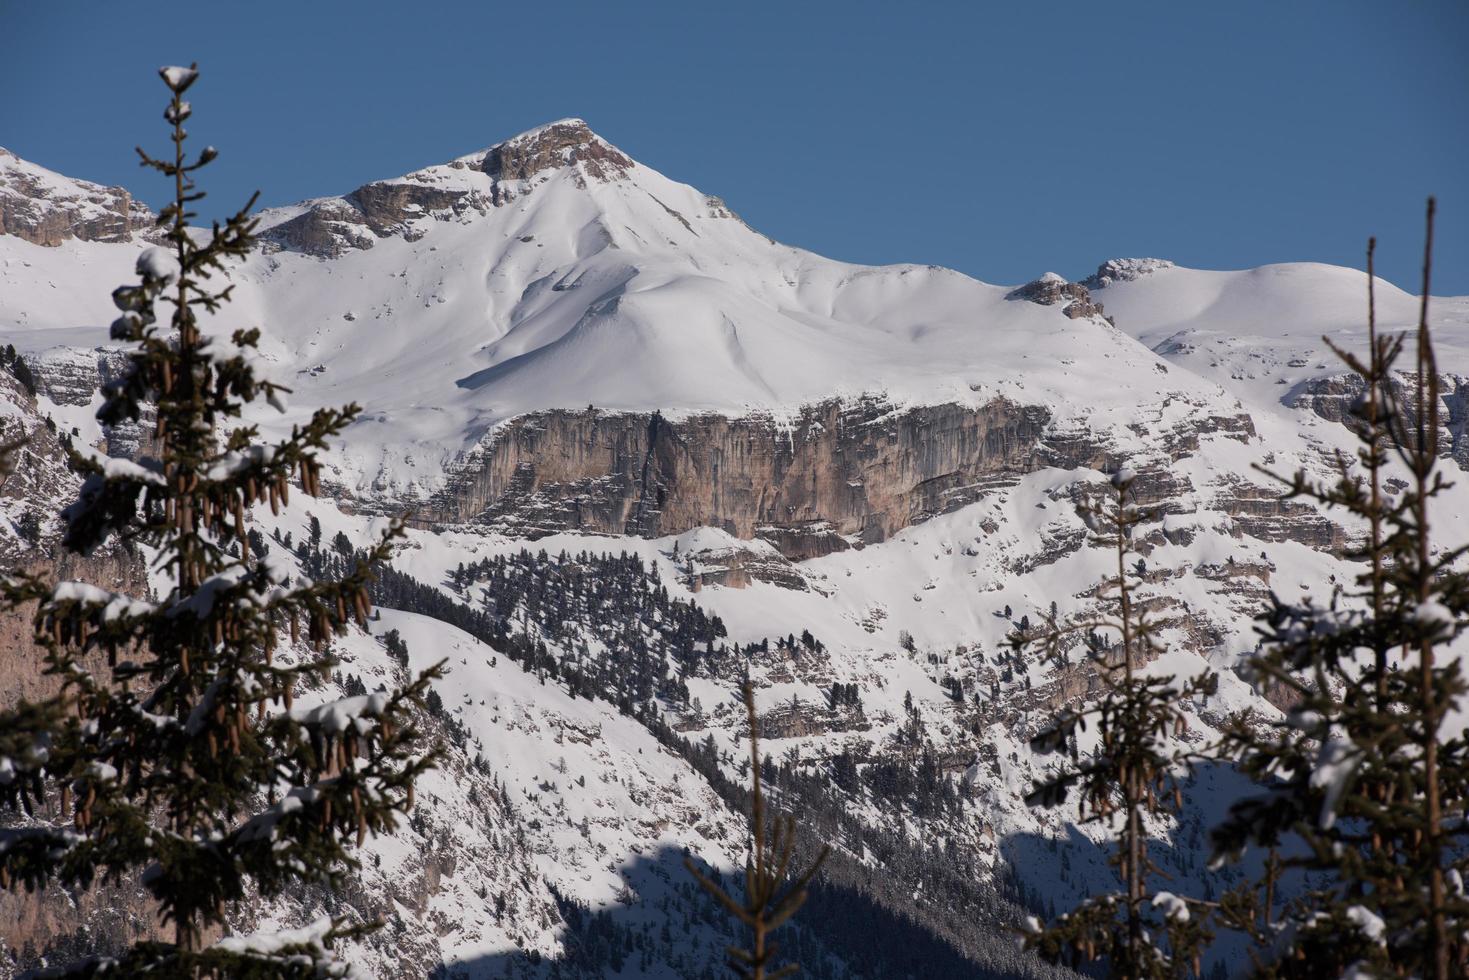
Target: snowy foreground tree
pixel 1131 776
pixel 1368 776
pixel 174 748
pixel 1365 806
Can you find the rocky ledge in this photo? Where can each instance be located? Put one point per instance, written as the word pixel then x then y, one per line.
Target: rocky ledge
pixel 1123 270
pixel 45 208
pixel 560 144
pixel 1332 399
pixel 840 474
pixel 1051 289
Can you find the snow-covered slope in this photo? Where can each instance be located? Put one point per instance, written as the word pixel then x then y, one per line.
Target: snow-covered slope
pixel 576 803
pixel 553 271
pixel 1259 332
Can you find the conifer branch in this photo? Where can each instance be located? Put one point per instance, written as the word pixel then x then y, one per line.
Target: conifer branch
pixel 1360 776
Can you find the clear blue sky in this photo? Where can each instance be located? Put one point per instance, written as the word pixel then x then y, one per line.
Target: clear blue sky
pixel 1001 140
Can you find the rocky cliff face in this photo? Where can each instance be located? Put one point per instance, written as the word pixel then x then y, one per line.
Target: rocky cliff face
pixel 841 474
pixel 71 376
pixel 330 227
pixel 1332 399
pixel 837 474
pixel 47 209
pixel 1123 270
pixel 117 913
pixel 557 145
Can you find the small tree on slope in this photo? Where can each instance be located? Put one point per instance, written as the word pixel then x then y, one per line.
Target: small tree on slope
pixel 774 890
pixel 184 757
pixel 1130 777
pixel 1368 776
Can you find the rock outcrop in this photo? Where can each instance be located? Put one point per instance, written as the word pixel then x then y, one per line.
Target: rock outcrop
pixel 737 567
pixel 1267 514
pixel 1051 289
pixel 1123 270
pixel 1332 399
pixel 838 473
pixel 556 145
pixel 45 208
pixel 330 226
pixel 75 376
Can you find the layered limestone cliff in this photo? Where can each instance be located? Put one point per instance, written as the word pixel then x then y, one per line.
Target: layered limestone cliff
pixel 1332 399
pixel 45 208
pixel 73 376
pixel 837 474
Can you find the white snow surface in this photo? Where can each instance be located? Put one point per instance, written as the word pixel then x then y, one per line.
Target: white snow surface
pixel 1259 332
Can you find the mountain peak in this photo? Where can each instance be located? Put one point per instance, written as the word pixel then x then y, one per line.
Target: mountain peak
pixel 569 122
pixel 476 182
pixel 562 143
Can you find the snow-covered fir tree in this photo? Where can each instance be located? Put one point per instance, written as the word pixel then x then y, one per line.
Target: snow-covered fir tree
pixel 1366 785
pixel 174 748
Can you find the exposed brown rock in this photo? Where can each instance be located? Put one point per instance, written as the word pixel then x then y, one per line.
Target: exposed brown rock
pixel 804 718
pixel 329 227
pixel 551 147
pixel 863 469
pixel 1266 513
pixel 1051 289
pixel 739 567
pixel 48 209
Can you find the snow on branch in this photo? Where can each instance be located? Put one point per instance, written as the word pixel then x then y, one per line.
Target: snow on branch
pixel 115 606
pixel 303 949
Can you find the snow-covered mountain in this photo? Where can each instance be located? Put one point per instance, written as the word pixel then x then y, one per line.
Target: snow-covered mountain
pixel 553 271
pixel 563 354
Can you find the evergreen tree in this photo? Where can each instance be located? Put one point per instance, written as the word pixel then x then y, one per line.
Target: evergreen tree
pixel 773 892
pixel 22 372
pixel 1130 777
pixel 1365 788
pixel 174 747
